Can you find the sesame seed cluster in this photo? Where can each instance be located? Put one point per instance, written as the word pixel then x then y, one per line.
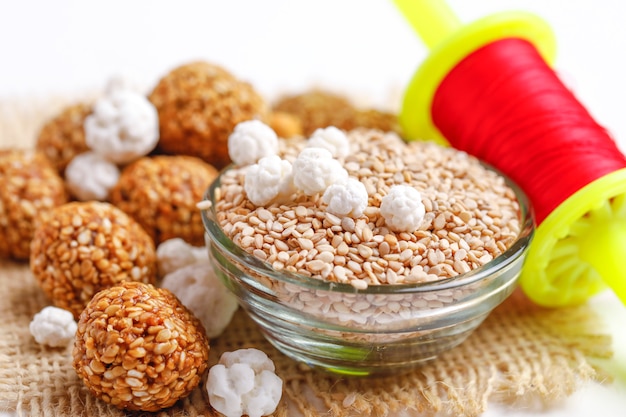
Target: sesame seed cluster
pixel 199 104
pixel 80 248
pixel 63 137
pixel 318 109
pixel 160 193
pixel 472 216
pixel 138 348
pixel 29 186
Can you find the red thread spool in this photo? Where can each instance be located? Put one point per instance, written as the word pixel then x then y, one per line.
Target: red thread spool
pixel 504 105
pixel 487 90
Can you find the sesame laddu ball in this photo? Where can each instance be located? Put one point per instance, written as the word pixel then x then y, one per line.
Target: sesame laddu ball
pixel 138 348
pixel 319 109
pixel 63 136
pixel 199 105
pixel 379 120
pixel 161 194
pixel 80 248
pixel 286 125
pixel 29 186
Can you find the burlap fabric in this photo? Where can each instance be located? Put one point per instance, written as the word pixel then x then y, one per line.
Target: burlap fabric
pixel 522 354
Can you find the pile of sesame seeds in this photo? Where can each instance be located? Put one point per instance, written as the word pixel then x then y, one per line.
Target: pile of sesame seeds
pixel 472 216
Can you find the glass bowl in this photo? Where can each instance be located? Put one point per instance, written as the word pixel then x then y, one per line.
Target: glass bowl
pixel 378 330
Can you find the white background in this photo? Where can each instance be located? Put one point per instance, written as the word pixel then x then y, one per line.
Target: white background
pixel 364 48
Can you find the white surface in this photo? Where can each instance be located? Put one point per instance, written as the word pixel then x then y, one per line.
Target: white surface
pixel 364 48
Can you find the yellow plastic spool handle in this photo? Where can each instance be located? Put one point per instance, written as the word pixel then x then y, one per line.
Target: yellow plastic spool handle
pixel 432 20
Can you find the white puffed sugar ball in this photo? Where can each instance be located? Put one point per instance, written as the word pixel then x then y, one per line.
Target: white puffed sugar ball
pixel 175 253
pixel 269 180
pixel 346 198
pixel 315 169
pixel 199 288
pixel 403 209
pixel 53 326
pixel 331 139
pixel 89 176
pixel 124 82
pixel 124 126
pixel 250 141
pixel 244 382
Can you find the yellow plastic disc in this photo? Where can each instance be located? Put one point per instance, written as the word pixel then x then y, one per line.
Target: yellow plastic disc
pixel 415 115
pixel 580 248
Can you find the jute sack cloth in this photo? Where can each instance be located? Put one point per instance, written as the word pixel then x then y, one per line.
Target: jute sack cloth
pixel 522 355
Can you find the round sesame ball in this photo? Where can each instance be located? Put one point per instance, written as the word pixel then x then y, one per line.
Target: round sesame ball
pixel 63 136
pixel 138 348
pixel 378 120
pixel 286 125
pixel 161 193
pixel 29 185
pixel 319 109
pixel 199 105
pixel 80 248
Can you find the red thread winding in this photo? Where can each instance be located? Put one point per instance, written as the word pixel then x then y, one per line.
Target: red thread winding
pixel 504 105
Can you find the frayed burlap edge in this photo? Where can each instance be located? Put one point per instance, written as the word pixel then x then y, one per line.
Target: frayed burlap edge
pixel 521 354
